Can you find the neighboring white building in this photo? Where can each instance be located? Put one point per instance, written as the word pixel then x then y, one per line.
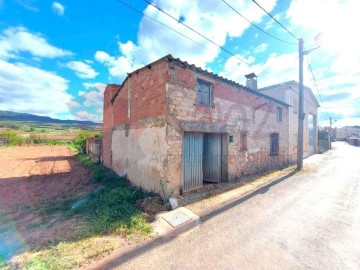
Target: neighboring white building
pixel 288 92
pixel 348 131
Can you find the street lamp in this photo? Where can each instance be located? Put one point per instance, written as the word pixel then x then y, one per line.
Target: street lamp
pixel 301 116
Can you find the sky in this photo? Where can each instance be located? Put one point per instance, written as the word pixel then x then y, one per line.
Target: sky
pixel 57 57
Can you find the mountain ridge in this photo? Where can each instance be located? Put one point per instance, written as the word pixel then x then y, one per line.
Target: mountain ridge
pixel 16 116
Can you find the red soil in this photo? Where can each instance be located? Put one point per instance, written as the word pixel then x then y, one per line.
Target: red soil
pixel 31 176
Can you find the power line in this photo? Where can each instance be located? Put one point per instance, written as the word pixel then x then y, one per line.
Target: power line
pixel 316 86
pixel 313 78
pixel 257 27
pixel 195 31
pixel 138 11
pixel 287 30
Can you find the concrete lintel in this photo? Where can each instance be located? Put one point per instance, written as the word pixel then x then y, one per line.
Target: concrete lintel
pixel 205 127
pixel 157 121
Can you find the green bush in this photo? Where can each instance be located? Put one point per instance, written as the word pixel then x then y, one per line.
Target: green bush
pixel 322 134
pixel 80 140
pixel 11 138
pixel 99 134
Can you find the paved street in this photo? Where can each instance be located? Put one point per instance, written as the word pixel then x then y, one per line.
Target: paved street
pixel 310 220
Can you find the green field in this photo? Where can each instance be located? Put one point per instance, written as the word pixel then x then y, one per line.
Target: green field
pixel 44 127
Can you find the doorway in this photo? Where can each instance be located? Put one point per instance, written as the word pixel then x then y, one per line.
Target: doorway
pixel 202 159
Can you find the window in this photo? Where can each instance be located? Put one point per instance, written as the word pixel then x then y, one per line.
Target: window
pixel 203 93
pixel 279 114
pixel 295 105
pixel 243 141
pixel 274 144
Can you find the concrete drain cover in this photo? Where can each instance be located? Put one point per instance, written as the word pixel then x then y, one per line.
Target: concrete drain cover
pixel 176 218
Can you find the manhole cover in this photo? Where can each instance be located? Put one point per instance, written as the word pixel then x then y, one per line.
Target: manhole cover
pixel 176 218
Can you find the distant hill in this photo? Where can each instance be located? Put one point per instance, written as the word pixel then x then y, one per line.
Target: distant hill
pixel 27 117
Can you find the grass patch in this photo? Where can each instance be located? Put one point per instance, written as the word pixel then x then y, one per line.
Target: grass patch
pixel 107 213
pixel 69 255
pixel 112 208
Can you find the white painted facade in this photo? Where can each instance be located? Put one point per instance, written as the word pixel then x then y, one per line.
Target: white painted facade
pixel 288 92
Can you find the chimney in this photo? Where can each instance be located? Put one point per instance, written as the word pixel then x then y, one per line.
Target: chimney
pixel 251 81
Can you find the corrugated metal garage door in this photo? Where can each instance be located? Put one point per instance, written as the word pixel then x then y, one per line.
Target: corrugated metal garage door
pixel 192 161
pixel 212 157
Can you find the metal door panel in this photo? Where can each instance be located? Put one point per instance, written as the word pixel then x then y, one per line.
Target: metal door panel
pixel 192 161
pixel 212 157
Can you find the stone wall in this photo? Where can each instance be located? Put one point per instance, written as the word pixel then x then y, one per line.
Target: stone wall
pixel 234 111
pixel 147 116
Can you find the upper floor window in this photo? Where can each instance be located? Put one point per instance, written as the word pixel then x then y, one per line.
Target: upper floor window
pixel 279 114
pixel 203 93
pixel 295 105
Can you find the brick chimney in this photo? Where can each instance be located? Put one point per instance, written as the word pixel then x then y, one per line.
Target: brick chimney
pixel 251 81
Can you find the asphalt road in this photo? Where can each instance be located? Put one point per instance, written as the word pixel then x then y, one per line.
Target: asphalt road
pixel 310 220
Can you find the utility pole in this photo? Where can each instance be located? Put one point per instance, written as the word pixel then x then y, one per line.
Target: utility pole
pixel 300 144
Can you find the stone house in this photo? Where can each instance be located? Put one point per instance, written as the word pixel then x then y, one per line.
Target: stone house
pixel 288 92
pixel 173 126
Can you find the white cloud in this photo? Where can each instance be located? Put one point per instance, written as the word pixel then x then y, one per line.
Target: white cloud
pixel 72 104
pixel 261 48
pixel 155 41
pixel 86 116
pixel 58 8
pixel 339 45
pixel 24 88
pixel 276 69
pixel 15 40
pixel 102 57
pixel 82 69
pixel 90 100
pixel 337 62
pixel 28 4
pixel 94 96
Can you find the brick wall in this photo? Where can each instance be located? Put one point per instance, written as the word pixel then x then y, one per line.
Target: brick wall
pixel 146 90
pixel 134 126
pixel 108 122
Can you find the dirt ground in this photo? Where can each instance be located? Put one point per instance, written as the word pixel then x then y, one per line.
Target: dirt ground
pixel 32 177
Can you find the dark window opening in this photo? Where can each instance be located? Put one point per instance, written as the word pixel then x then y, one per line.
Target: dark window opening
pixel 274 144
pixel 279 114
pixel 243 141
pixel 295 105
pixel 203 93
